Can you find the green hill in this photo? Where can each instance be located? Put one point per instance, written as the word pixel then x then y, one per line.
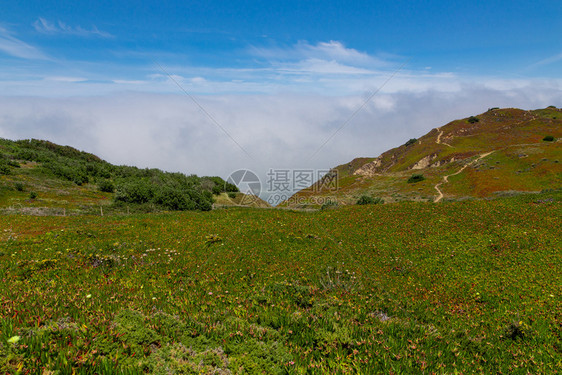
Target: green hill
pixel 42 177
pixel 497 152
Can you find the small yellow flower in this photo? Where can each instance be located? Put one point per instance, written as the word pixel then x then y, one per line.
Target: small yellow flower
pixel 14 339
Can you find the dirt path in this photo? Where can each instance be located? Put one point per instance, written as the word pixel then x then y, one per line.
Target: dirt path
pixel 446 178
pixel 438 140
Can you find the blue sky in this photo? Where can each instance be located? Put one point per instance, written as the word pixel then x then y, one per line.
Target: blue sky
pixel 279 76
pixel 263 42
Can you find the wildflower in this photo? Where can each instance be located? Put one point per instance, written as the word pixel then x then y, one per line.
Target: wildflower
pixel 89 296
pixel 14 339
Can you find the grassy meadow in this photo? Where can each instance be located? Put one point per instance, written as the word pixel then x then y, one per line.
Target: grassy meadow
pixel 456 287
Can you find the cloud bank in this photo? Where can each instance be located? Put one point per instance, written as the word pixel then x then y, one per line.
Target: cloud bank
pixel 278 131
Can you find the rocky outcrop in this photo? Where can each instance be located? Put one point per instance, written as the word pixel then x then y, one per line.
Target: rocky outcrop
pixel 426 162
pixel 370 169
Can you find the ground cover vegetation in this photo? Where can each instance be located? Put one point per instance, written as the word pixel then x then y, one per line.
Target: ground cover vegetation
pixel 455 287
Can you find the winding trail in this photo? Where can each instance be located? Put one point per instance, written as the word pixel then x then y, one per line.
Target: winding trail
pixel 446 178
pixel 438 140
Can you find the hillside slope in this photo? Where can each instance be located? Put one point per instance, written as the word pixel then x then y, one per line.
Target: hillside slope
pixel 501 150
pixel 41 177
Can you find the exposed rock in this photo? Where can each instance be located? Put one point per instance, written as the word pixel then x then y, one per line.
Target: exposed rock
pixel 424 162
pixel 372 168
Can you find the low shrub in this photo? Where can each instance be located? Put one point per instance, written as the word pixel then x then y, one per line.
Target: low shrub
pixel 473 119
pixel 134 192
pixel 416 178
pixel 4 169
pixel 410 142
pixel 106 186
pixel 365 199
pixel 329 204
pixel 548 138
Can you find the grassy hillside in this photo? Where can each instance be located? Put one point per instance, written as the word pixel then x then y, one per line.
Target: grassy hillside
pixel 42 177
pixel 458 287
pixel 515 158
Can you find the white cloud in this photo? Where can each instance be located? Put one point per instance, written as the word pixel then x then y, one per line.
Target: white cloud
pixel 318 66
pixel 327 68
pixel 548 61
pixel 18 48
pixel 65 79
pixel 327 51
pixel 46 27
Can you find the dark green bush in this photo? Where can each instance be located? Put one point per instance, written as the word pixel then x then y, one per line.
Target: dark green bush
pixel 134 192
pixel 19 186
pixel 217 190
pixel 473 119
pixel 106 186
pixel 170 197
pixel 28 155
pixel 32 195
pixel 4 169
pixel 232 195
pixel 410 142
pixel 416 178
pixel 548 138
pixel 217 185
pixel 68 170
pixel 365 199
pixel 231 188
pixel 174 199
pixel 133 186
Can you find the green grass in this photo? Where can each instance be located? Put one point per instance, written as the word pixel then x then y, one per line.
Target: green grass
pixel 457 287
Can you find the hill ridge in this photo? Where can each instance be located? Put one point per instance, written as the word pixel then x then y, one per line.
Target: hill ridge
pixel 451 146
pixel 39 176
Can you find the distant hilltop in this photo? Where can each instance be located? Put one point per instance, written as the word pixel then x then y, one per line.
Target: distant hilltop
pixel 500 151
pixel 41 177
